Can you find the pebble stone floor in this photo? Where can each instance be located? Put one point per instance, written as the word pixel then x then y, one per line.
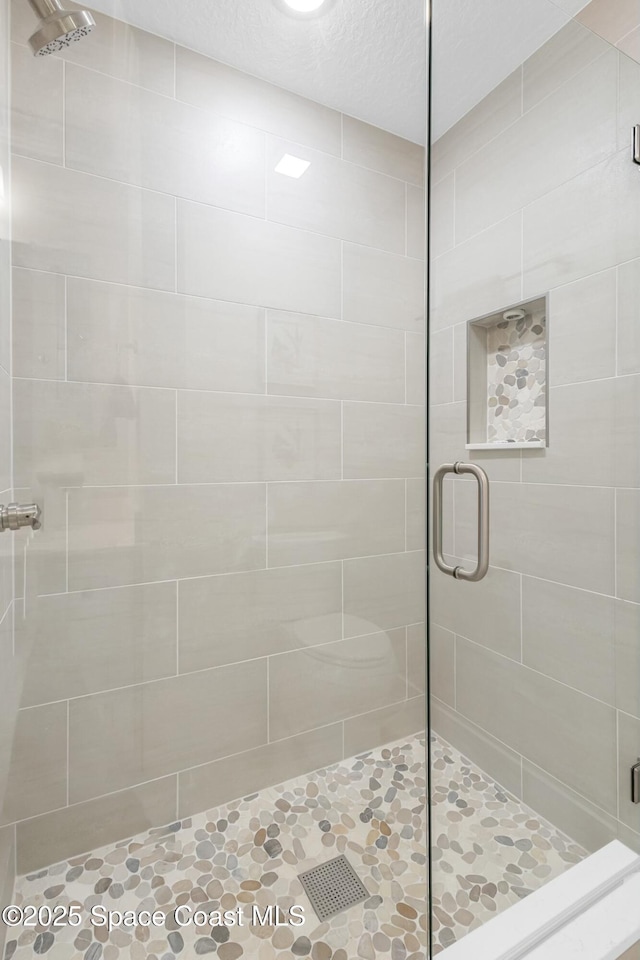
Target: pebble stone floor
pixel 490 852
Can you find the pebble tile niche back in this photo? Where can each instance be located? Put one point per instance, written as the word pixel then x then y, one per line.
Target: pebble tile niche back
pixel 507 395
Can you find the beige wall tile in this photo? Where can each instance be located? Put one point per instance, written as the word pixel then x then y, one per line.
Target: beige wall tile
pixel 628 756
pixel 582 330
pixel 532 524
pixel 628 81
pixel 37 780
pixel 317 357
pixel 416 659
pixel 242 616
pixel 627 560
pixel 224 780
pixel 139 534
pixel 416 222
pixel 126 737
pixel 441 366
pixel 527 710
pixel 442 664
pixel 320 685
pixel 329 521
pixel 87 826
pixel 569 634
pixel 69 222
pixel 117 130
pixel 75 433
pixel 7 873
pixel 222 437
pixel 384 726
pixel 80 643
pixel 549 140
pixel 629 317
pixel 415 367
pixel 231 93
pixel 383 440
pixel 442 216
pixel 383 289
pixel 561 241
pixel 290 269
pixel 416 503
pixel 563 56
pixel 383 592
pixel 130 335
pixel 493 114
pixel 493 756
pixel 585 823
pixel 627 631
pixel 375 148
pixel 487 612
pixel 38 324
pixel 478 276
pixel 630 45
pixel 611 20
pixel 460 362
pixel 337 199
pixel 114 48
pixel 36 105
pixel 41 562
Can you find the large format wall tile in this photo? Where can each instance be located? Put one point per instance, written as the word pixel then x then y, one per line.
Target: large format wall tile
pixel 78 433
pixel 629 317
pixel 337 199
pixel 69 222
pixel 582 330
pixel 487 612
pixel 383 289
pixel 549 140
pixel 383 592
pixel 130 335
pixel 215 86
pixel 38 324
pixel 126 737
pixel 527 710
pixel 383 726
pixel 627 558
pixel 375 148
pixel 116 48
pixel 383 440
pixel 36 105
pixel 80 643
pixel 611 20
pixel 37 779
pixel 317 357
pixel 233 257
pixel 86 826
pixel 241 616
pixel 313 687
pixel 223 780
pixel 567 53
pixel 627 631
pixel 222 437
pixel 569 634
pixel 329 521
pixel 124 535
pixel 442 664
pixel 120 131
pixel 628 756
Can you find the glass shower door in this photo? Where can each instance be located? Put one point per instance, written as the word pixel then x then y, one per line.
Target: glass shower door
pixel 535 385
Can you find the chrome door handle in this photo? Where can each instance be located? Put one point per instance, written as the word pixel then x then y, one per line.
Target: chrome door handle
pixel 482 565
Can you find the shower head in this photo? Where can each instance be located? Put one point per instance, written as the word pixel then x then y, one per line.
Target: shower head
pixel 58 27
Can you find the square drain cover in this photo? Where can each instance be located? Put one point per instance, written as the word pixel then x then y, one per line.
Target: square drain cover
pixel 332 887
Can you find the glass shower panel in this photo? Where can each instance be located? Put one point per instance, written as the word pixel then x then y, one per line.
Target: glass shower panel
pixel 218 402
pixel 535 380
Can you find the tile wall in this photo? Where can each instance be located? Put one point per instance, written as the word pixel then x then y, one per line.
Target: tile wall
pixel 10 673
pixel 219 400
pixel 537 668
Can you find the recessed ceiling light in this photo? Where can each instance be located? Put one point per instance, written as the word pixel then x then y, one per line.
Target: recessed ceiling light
pixel 304 6
pixel 292 166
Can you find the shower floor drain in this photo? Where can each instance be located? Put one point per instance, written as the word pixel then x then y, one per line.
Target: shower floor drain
pixel 332 887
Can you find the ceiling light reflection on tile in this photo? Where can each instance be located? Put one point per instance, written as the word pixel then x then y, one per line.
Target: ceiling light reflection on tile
pixel 291 166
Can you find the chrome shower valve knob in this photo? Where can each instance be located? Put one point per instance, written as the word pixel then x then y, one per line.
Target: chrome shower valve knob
pixel 13 516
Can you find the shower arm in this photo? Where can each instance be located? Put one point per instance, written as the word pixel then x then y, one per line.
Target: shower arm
pixel 45 8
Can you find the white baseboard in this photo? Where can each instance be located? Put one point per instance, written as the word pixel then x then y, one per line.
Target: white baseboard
pixel 591 912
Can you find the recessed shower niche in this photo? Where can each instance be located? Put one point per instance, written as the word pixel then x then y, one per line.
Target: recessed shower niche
pixel 507 406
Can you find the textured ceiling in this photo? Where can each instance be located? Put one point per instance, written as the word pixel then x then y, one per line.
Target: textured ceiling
pixel 364 57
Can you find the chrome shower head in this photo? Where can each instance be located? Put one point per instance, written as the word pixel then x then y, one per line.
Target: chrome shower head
pixel 58 27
